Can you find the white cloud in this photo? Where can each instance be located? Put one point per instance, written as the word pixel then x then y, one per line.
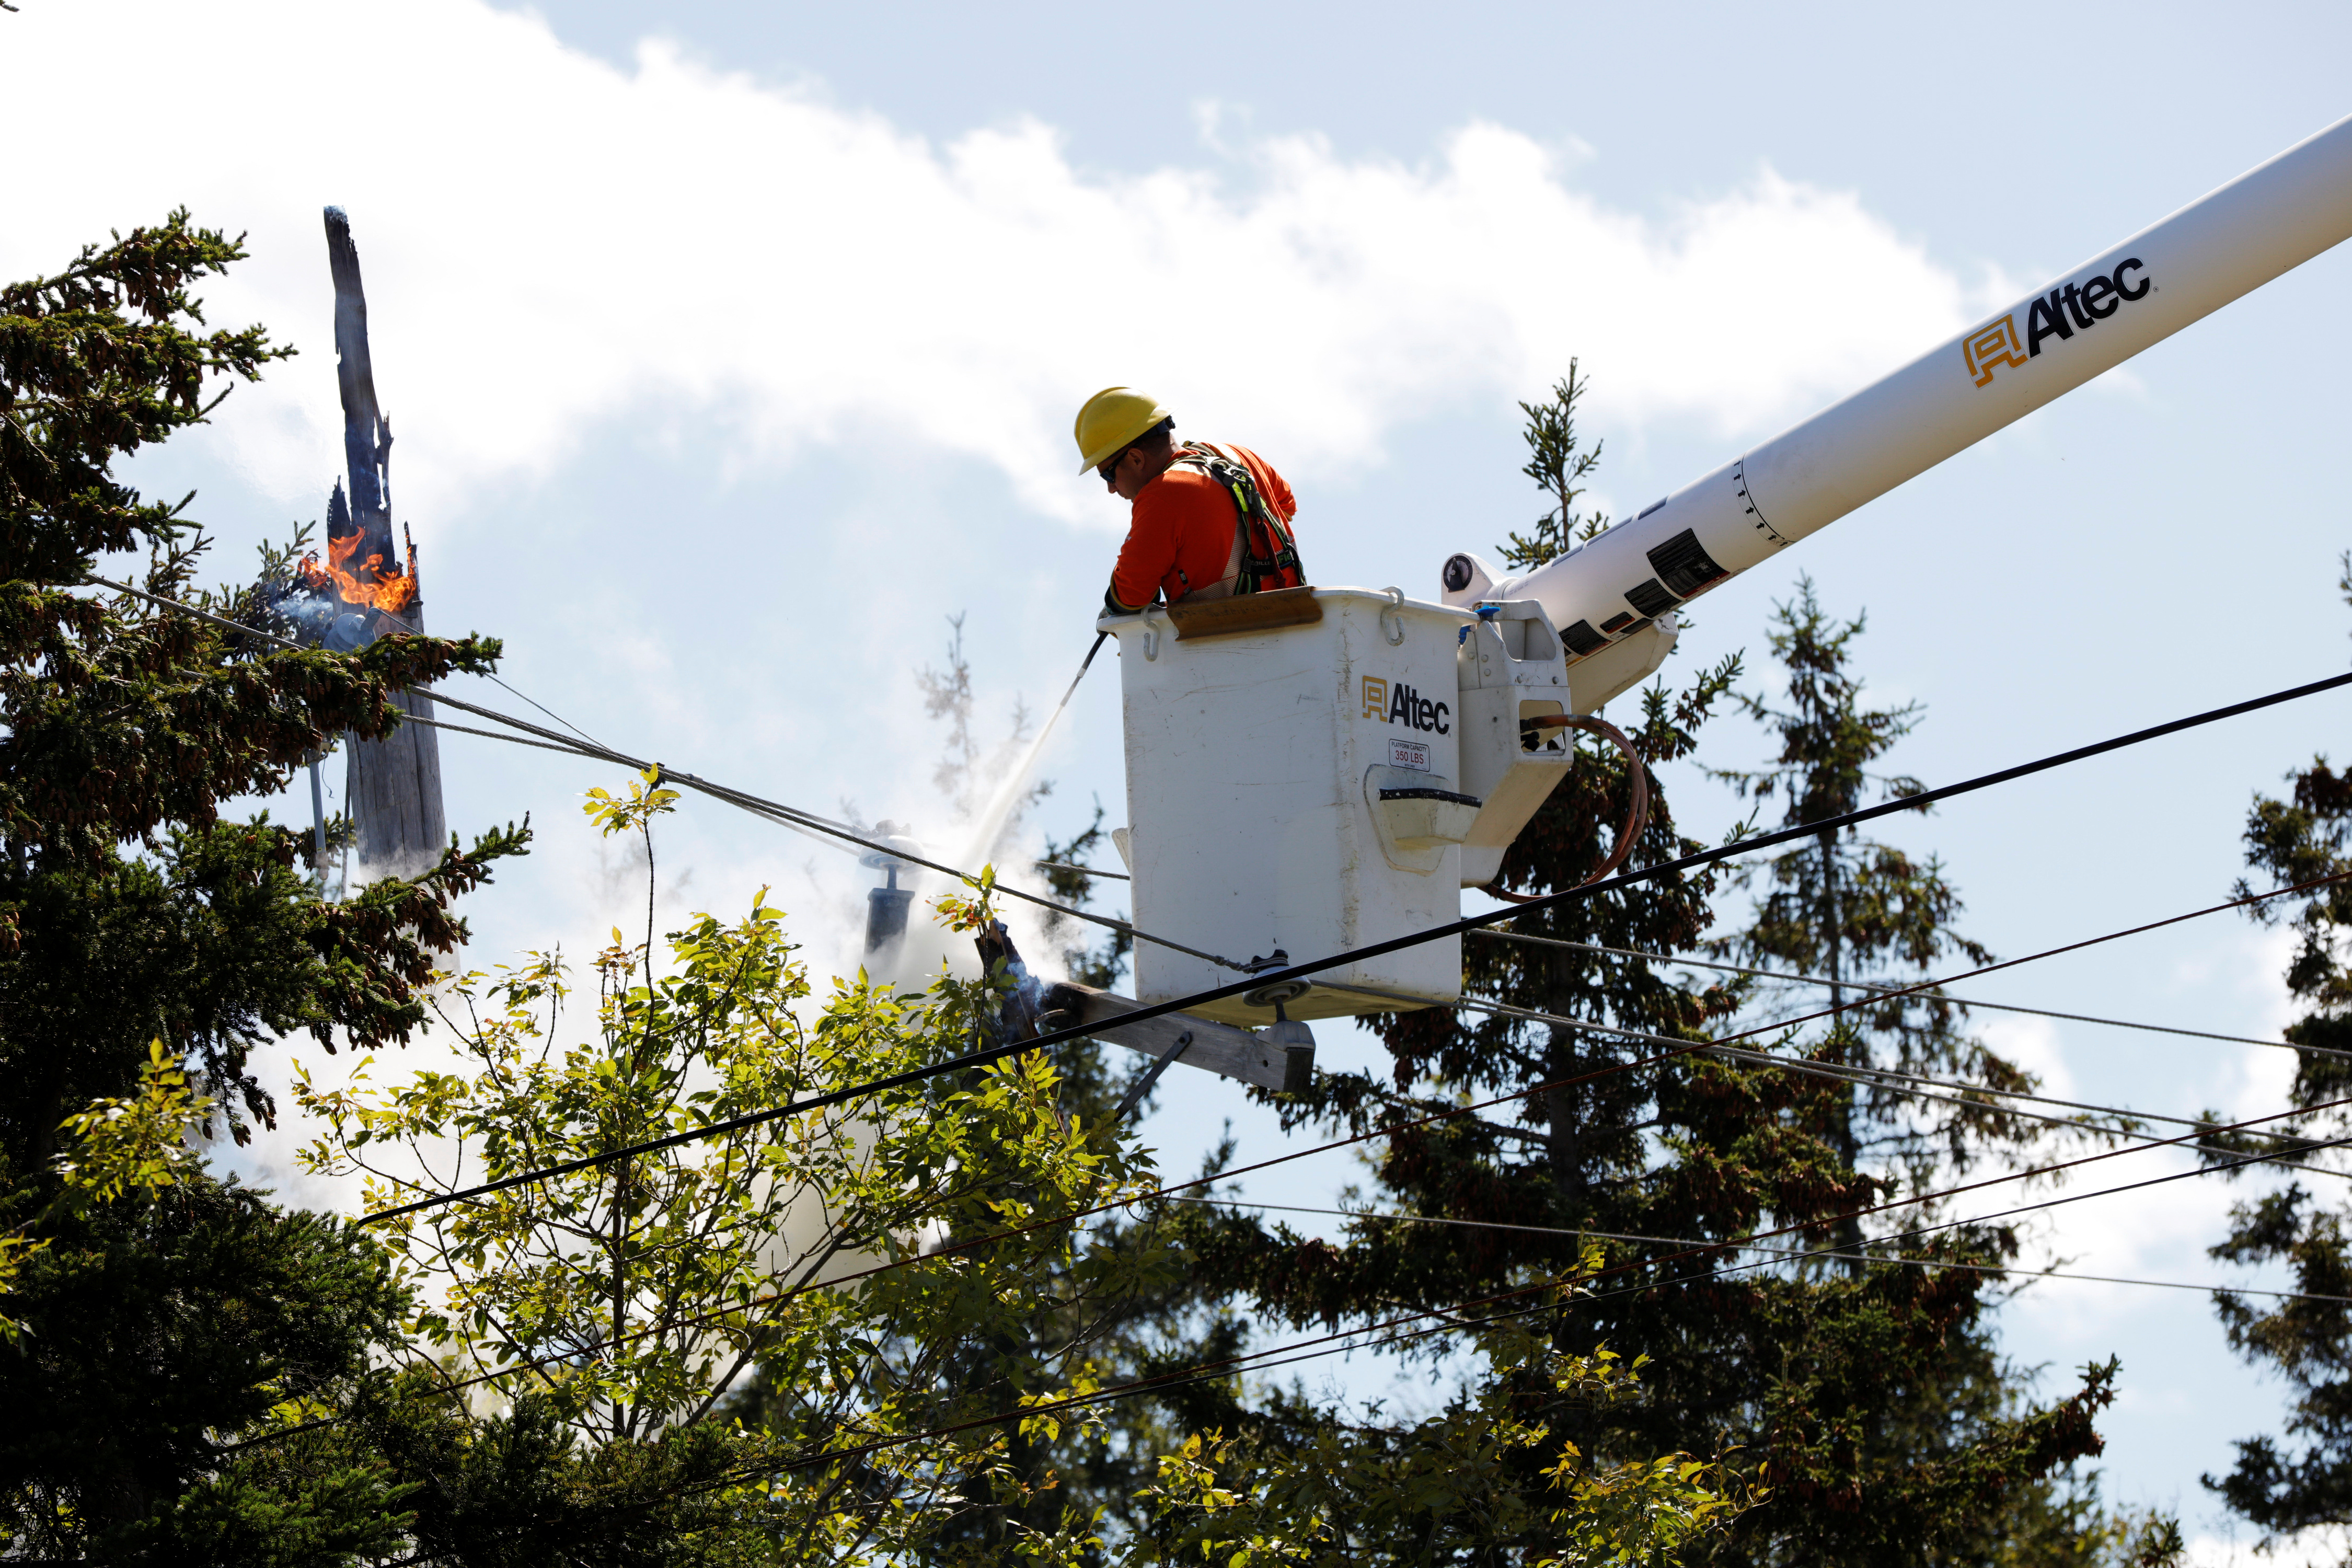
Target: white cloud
pixel 2031 1043
pixel 2322 1547
pixel 560 242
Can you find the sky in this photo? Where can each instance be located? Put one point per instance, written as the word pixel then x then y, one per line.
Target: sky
pixel 729 356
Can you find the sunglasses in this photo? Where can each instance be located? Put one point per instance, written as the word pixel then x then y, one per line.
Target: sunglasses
pixel 1108 469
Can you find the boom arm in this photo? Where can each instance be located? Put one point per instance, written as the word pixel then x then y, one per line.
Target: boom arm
pixel 2088 320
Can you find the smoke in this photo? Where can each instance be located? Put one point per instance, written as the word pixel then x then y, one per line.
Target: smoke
pixel 997 835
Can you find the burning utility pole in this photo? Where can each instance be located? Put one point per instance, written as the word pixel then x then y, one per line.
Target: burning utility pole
pixel 361 593
pixel 394 783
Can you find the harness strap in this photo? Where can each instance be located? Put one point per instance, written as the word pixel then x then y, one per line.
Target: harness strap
pixel 1264 554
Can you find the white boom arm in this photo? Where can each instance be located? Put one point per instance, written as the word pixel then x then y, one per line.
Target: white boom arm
pixel 2087 321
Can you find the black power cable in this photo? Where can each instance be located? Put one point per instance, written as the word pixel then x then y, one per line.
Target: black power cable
pixel 1777 1255
pixel 1456 928
pixel 983 1058
pixel 1265 977
pixel 1894 991
pixel 803 821
pixel 1689 1249
pixel 1889 1079
pixel 1521 1093
pixel 1345 1340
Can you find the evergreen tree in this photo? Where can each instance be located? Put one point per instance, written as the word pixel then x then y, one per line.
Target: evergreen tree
pixel 1864 1401
pixel 1559 462
pixel 155 1311
pixel 1866 920
pixel 2303 836
pixel 1863 916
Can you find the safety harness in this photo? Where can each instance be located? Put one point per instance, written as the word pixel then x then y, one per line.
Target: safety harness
pixel 1265 555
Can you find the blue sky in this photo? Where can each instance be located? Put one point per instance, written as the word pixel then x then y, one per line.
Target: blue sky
pixel 728 361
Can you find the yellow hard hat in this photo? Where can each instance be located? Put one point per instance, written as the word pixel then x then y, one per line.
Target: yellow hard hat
pixel 1110 419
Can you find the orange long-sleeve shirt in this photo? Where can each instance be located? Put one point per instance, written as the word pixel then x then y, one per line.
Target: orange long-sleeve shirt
pixel 1182 534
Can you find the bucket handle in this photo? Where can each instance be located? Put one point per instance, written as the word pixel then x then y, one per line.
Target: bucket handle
pixel 1395 608
pixel 1150 632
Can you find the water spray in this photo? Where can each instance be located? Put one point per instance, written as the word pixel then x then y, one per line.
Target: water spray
pixel 989 826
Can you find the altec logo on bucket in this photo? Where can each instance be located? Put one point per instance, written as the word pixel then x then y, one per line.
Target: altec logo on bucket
pixel 1403 705
pixel 2077 307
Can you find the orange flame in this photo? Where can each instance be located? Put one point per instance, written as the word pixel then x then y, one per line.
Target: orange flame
pixel 370 586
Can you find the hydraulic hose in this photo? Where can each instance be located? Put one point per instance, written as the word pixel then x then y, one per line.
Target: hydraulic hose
pixel 1637 814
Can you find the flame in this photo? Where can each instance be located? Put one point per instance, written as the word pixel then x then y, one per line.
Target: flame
pixel 370 585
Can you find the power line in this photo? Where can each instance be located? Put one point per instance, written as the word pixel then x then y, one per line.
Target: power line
pixel 1228 1365
pixel 1738 847
pixel 834 837
pixel 982 1058
pixel 790 817
pixel 1880 1077
pixel 1680 1049
pixel 1089 871
pixel 410 627
pixel 1397 944
pixel 1714 1049
pixel 808 823
pixel 1170 1191
pixel 1691 1250
pixel 1780 1254
pixel 1889 1078
pixel 975 1059
pixel 1533 906
pixel 1760 842
pixel 569 751
pixel 1870 1077
pixel 794 816
pixel 1344 1341
pixel 1701 1248
pixel 1892 990
pixel 549 711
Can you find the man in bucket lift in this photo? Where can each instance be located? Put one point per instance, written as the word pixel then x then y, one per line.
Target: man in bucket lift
pixel 1209 521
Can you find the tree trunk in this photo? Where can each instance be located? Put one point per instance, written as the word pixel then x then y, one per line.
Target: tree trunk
pixel 394 789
